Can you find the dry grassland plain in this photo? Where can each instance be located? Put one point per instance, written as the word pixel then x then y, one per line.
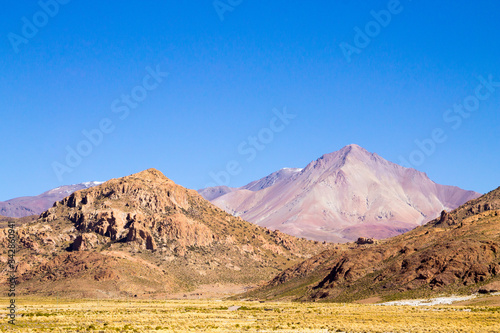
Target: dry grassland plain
pixel 60 315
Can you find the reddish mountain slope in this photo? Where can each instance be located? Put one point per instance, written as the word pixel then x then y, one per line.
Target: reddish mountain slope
pixel 342 196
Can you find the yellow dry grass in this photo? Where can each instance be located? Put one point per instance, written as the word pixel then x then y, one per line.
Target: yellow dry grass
pixel 58 315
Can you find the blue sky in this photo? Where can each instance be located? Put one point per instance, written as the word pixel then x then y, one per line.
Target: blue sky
pixel 73 72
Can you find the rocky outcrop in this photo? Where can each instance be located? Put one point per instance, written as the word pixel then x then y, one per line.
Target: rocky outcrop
pixel 85 241
pixel 493 287
pixel 138 233
pixel 109 223
pixel 138 210
pixel 364 240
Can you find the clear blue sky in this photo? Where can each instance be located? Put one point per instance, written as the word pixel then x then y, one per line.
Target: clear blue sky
pixel 225 77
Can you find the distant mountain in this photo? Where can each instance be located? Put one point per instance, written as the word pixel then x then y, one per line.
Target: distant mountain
pixel 459 252
pixel 341 196
pixel 34 205
pixel 145 235
pixel 212 193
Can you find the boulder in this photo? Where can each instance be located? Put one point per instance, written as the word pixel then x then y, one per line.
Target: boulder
pixel 492 287
pixel 364 240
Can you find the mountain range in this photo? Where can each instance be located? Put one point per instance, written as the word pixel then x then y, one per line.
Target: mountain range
pixel 341 196
pixel 145 236
pixel 34 205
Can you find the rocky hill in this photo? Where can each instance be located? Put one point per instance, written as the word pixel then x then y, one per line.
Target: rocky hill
pixel 341 196
pixel 144 235
pixel 459 252
pixel 34 205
